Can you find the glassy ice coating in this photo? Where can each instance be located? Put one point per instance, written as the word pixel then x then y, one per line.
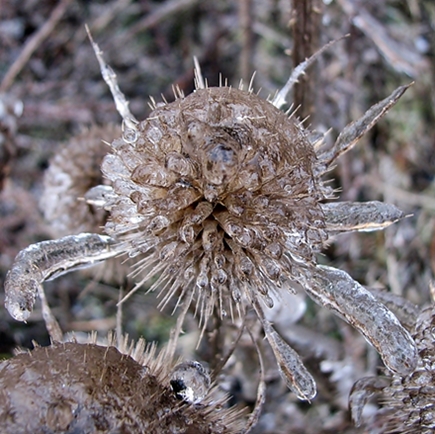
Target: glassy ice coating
pixel 119 388
pixel 407 401
pixel 222 197
pixel 219 191
pixel 190 382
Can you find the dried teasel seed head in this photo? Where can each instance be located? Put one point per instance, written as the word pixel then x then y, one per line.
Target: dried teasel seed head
pixel 68 200
pixel 71 387
pixel 220 188
pixel 72 172
pixel 408 401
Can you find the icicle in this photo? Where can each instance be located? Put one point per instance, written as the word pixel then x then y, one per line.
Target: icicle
pixel 49 259
pixel 336 290
pixel 291 368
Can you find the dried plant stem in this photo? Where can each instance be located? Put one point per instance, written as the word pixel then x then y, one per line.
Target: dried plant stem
pixel 109 77
pixel 306 25
pixel 33 43
pixel 53 327
pixel 261 389
pixel 176 331
pixel 245 18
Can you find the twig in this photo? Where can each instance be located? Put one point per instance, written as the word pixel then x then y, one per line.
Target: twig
pixel 245 17
pixel 33 43
pixel 109 77
pixel 155 17
pixel 280 98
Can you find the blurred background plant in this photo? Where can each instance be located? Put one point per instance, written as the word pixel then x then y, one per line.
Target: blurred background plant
pixel 47 65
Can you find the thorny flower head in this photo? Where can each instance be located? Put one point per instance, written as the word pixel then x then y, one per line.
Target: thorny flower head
pixel 103 393
pixel 407 400
pixel 223 196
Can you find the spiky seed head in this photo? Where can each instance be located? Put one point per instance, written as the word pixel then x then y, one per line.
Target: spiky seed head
pixel 219 190
pixel 71 173
pixel 408 403
pixel 72 387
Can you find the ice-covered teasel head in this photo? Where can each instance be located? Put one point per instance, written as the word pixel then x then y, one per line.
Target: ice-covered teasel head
pixel 406 400
pixel 114 387
pixel 223 197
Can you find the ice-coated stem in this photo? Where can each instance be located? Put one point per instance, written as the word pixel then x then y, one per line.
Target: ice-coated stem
pixel 49 259
pixel 109 77
pixel 355 130
pixel 280 97
pixel 291 368
pixel 336 290
pixel 360 216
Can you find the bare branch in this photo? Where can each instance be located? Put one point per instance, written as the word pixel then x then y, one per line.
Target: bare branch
pixel 33 43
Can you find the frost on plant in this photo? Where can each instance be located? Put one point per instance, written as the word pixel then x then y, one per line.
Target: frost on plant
pixel 407 400
pixel 119 387
pixel 222 196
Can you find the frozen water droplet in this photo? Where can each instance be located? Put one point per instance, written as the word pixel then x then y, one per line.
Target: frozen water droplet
pixel 168 251
pixel 236 294
pixel 219 260
pixel 211 193
pixel 130 135
pixel 190 382
pixel 209 235
pixel 246 237
pixel 187 233
pixel 99 195
pixel 220 164
pixel 113 167
pixel 221 276
pixel 158 223
pixel 250 179
pixel 180 164
pixel 268 301
pixel 274 250
pixel 233 229
pixel 245 265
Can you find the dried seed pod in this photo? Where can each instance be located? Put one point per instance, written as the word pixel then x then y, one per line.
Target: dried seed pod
pixel 209 202
pixel 72 387
pixel 407 400
pixel 72 172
